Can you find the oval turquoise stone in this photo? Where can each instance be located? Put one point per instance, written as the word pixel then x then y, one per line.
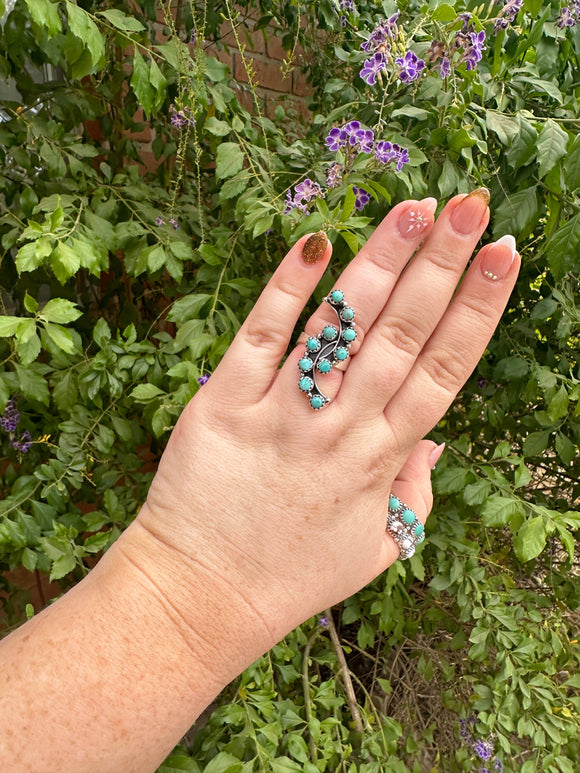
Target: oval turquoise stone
pixel 316 402
pixel 408 516
pixel 347 314
pixel 305 384
pixel 305 364
pixel 349 334
pixel 394 503
pixel 324 366
pixel 313 344
pixel 420 538
pixel 419 529
pixel 336 296
pixel 341 353
pixel 330 332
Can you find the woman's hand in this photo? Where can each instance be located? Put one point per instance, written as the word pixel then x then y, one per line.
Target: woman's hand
pixel 284 507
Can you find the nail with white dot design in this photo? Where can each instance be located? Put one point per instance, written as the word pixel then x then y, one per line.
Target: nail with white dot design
pixel 496 263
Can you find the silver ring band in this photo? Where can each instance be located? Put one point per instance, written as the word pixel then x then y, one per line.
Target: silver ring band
pixel 404 527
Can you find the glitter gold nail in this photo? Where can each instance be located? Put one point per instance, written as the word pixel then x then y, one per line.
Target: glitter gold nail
pixel 481 193
pixel 314 247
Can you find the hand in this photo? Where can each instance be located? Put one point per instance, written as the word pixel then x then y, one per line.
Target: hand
pixel 280 508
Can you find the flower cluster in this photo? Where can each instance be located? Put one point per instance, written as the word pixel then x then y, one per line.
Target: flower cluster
pixel 569 16
pixel 411 67
pixel 379 46
pixel 334 175
pixel 361 198
pixel 303 194
pixel 469 43
pixel 201 380
pixel 345 6
pixel 9 422
pixel 361 140
pixel 507 14
pixel 484 749
pixel 181 118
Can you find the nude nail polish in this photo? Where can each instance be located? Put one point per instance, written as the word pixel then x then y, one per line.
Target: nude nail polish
pixel 314 248
pixel 435 455
pixel 467 215
pixel 498 258
pixel 417 218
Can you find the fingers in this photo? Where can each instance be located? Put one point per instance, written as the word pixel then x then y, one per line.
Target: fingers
pixel 417 303
pixel 253 358
pixel 369 279
pixel 412 486
pixel 457 344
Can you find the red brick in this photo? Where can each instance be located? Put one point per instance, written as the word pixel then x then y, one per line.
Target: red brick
pixel 267 75
pixel 253 41
pixel 300 86
pixel 275 48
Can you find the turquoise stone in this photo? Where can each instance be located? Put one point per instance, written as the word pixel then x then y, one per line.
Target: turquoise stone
pixel 336 296
pixel 341 353
pixel 420 538
pixel 419 529
pixel 305 364
pixel 347 314
pixel 394 503
pixel 324 366
pixel 349 334
pixel 313 344
pixel 408 516
pixel 306 384
pixel 316 402
pixel 330 332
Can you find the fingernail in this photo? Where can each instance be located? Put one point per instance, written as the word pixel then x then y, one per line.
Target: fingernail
pixel 468 214
pixel 497 260
pixel 435 455
pixel 417 218
pixel 314 248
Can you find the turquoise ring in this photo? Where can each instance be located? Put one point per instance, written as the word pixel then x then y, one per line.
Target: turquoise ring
pixel 404 527
pixel 326 349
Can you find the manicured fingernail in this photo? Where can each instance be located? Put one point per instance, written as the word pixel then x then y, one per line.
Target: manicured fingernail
pixel 467 216
pixel 314 248
pixel 435 455
pixel 498 259
pixel 417 218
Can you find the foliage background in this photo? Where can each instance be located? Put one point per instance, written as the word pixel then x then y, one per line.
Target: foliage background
pixel 109 319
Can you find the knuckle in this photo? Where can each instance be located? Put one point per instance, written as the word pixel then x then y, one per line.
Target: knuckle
pixel 444 370
pixel 382 258
pixel 267 337
pixel 405 335
pixel 444 259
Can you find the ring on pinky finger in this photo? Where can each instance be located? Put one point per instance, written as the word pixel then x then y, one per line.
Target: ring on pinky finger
pixel 404 527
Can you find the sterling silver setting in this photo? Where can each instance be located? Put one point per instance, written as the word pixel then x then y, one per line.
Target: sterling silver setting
pixel 404 527
pixel 323 351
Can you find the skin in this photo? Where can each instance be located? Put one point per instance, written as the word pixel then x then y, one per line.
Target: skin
pixel 263 512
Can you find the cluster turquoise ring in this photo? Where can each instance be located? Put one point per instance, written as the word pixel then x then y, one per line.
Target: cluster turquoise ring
pixel 326 349
pixel 404 527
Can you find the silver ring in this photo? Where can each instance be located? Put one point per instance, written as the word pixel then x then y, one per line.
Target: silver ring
pixel 404 527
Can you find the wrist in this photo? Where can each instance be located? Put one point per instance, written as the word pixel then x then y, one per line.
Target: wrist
pixel 211 614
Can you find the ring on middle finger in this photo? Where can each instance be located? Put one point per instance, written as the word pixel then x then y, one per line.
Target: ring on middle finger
pixel 326 349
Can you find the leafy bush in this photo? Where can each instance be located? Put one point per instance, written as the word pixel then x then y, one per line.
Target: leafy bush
pixel 123 282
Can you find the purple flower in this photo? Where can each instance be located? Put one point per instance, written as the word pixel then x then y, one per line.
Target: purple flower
pixel 11 417
pixel 481 382
pixel 361 199
pixel 411 67
pixel 303 193
pixel 173 222
pixel 473 54
pixel 445 67
pixel 203 379
pixel 334 174
pixel 507 14
pixel 193 37
pixel 372 67
pixel 483 749
pixel 387 152
pixel 159 221
pixel 337 138
pixel 24 443
pixel 569 16
pixel 498 765
pixel 323 622
pixel 180 118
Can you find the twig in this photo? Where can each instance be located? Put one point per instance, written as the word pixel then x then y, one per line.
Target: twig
pixel 351 697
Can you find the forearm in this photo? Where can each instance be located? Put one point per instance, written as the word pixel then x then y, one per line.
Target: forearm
pixel 117 670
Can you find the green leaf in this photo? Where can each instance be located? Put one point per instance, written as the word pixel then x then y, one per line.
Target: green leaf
pixel 348 204
pixel 223 763
pixel 450 480
pixel 536 442
pixel 61 337
pixel 32 384
pixel 45 14
pixel 531 539
pixel 565 448
pixel 60 310
pixel 511 367
pixel 518 214
pixel 498 510
pixel 179 763
pixel 122 22
pixel 229 160
pixel 9 325
pixel 551 145
pixel 563 248
pixel 65 392
pixel 62 566
pixel 65 262
pixel 572 165
pixel 217 127
pixel 146 392
pixel 558 405
pixel 81 25
pixel 29 349
pixel 140 82
pixel 30 303
pixel 476 493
